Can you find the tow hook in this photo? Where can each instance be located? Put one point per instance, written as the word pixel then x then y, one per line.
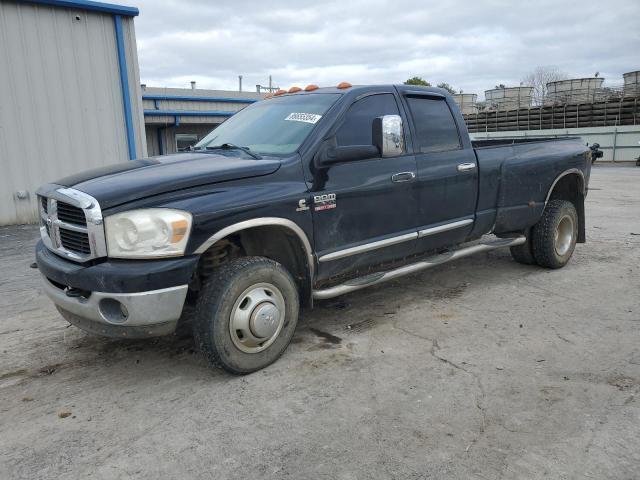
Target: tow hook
pixel 76 292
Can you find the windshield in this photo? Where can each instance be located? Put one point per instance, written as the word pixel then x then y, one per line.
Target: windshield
pixel 273 127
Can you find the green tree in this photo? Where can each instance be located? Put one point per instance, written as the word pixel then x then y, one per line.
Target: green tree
pixel 417 81
pixel 447 87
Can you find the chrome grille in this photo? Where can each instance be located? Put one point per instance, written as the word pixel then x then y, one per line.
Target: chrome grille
pixel 75 241
pixel 70 214
pixel 71 223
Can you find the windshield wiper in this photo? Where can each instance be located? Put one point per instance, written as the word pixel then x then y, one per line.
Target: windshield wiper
pixel 231 146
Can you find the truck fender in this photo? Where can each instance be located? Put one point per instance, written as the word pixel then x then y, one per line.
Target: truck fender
pixel 265 222
pixel 578 199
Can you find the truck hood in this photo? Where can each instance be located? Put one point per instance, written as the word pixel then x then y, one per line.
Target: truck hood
pixel 124 182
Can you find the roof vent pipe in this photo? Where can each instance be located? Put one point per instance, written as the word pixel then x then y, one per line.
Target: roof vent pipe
pixel 193 85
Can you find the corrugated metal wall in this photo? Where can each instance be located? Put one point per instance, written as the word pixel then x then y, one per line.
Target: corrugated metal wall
pixel 61 108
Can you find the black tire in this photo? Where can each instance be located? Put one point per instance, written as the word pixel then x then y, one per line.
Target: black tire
pixel 524 253
pixel 559 216
pixel 217 300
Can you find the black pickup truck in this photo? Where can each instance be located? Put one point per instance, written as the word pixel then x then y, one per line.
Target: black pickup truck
pixel 306 195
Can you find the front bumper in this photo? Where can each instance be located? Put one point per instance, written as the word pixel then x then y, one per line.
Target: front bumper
pixel 133 315
pixel 139 299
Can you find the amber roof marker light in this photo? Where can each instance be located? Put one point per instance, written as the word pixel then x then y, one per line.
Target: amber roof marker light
pixel 295 89
pixel 311 88
pixel 280 92
pixel 343 85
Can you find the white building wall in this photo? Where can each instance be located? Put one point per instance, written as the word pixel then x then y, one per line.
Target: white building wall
pixel 61 107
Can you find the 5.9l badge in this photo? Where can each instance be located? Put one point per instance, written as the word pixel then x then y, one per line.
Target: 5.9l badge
pixel 324 202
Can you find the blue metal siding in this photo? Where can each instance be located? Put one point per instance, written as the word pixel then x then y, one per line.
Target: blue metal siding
pixel 124 81
pixel 92 6
pixel 180 98
pixel 188 113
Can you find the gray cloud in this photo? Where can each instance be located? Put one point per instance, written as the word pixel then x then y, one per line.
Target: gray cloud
pixel 471 45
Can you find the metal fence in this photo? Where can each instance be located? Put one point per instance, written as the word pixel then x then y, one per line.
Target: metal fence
pixel 612 109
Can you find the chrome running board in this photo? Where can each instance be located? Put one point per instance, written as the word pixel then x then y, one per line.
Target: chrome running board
pixel 435 260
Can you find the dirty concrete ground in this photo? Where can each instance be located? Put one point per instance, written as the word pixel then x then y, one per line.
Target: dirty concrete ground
pixel 482 368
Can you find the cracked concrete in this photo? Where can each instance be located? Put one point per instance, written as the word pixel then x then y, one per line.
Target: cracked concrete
pixel 482 368
pixel 479 399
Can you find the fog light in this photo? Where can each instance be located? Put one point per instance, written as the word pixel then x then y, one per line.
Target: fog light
pixel 113 311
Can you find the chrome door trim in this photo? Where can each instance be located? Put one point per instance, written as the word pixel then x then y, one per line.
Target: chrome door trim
pixel 261 222
pixel 466 167
pixel 444 228
pixel 367 247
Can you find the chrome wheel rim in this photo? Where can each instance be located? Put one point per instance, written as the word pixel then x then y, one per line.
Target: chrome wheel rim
pixel 257 317
pixel 564 235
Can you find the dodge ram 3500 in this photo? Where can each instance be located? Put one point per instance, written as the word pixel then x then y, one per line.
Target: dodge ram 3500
pixel 307 195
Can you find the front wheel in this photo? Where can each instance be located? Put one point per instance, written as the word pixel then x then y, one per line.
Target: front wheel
pixel 246 314
pixel 555 234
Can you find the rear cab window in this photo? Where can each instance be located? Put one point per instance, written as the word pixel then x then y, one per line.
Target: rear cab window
pixel 435 127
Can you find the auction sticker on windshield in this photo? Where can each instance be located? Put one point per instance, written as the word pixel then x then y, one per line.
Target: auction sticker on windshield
pixel 304 117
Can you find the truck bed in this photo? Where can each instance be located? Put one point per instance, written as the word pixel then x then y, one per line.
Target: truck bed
pixel 500 142
pixel 515 176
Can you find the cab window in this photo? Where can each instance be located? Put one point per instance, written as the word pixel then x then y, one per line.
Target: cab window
pixel 356 128
pixel 436 130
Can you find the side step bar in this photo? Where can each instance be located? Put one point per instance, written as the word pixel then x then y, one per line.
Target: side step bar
pixel 435 260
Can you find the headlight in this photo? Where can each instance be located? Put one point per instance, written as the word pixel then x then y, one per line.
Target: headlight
pixel 147 233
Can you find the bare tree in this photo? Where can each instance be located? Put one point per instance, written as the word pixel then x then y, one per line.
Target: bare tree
pixel 539 78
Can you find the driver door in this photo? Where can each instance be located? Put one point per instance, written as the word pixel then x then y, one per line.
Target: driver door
pixel 365 212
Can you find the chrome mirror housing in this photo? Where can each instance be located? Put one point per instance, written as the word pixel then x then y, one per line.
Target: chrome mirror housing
pixel 388 135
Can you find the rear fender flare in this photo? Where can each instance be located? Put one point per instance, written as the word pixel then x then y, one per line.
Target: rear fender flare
pixel 571 171
pixel 579 200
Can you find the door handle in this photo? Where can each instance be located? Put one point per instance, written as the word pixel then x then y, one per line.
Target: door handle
pixel 403 177
pixel 466 167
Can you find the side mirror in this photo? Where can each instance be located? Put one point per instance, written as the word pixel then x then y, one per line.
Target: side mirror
pixel 388 135
pixel 349 153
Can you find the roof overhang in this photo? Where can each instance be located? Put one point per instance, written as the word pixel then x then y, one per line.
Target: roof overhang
pixel 91 6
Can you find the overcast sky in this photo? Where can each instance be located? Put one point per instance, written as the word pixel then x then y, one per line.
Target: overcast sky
pixel 472 45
